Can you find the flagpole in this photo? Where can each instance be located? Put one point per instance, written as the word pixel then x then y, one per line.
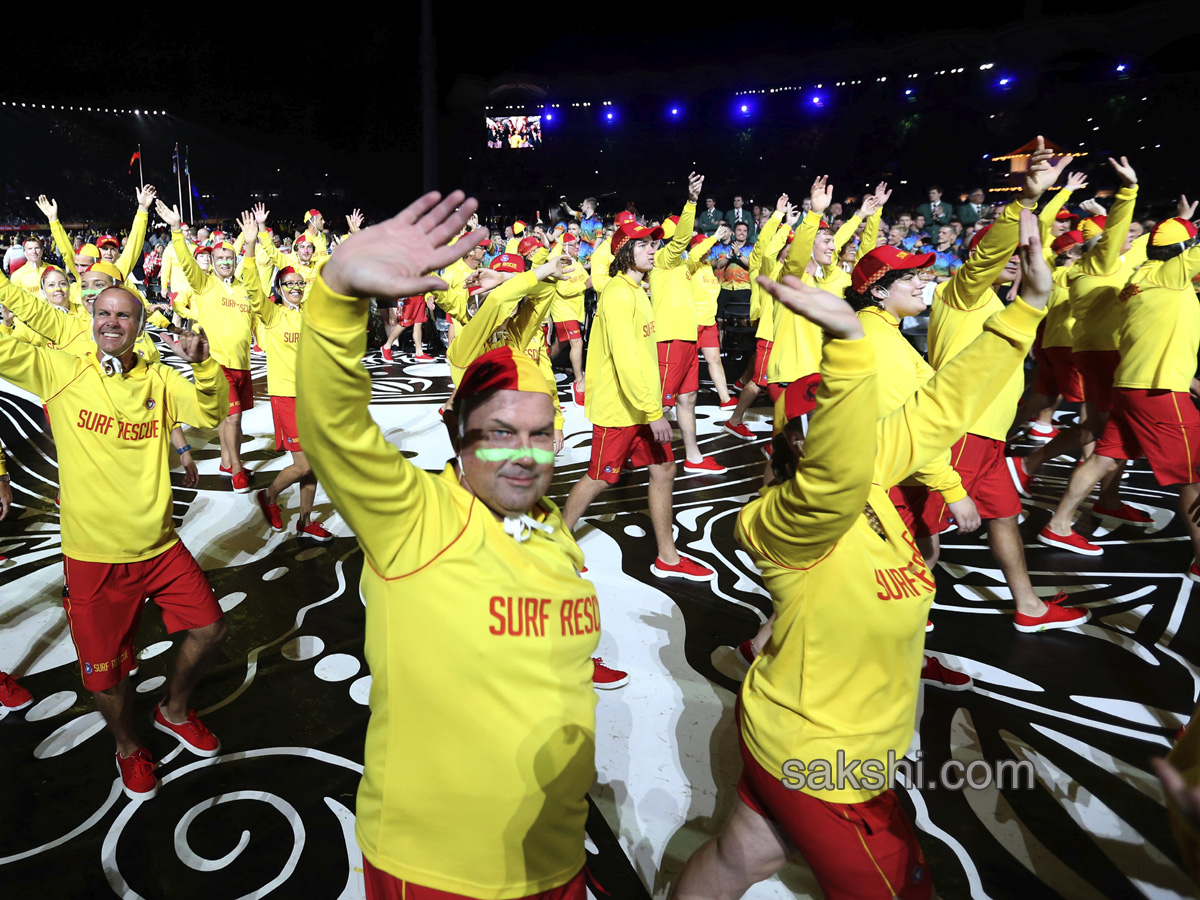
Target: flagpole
pixel 188 169
pixel 178 181
pixel 141 177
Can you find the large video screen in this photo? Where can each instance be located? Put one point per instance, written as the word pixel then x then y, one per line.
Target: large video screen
pixel 514 132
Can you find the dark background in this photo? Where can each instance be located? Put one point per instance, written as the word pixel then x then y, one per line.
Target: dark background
pixel 325 109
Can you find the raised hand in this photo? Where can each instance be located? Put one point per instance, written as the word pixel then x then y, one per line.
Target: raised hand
pixel 882 194
pixel 1076 181
pixel 695 185
pixel 869 205
pixel 723 233
pixel 1124 171
pixel 1092 207
pixel 392 259
pixel 821 194
pixel 249 227
pixel 793 215
pixel 487 279
pixel 782 205
pixel 1036 279
pixel 169 214
pixel 145 197
pixel 830 313
pixel 260 214
pixel 1185 210
pixel 1041 172
pixel 560 267
pixel 354 221
pixel 49 208
pixel 193 346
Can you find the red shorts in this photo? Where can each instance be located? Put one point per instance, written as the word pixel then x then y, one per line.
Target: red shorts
pixel 382 886
pixel 924 512
pixel 611 447
pixel 413 312
pixel 241 390
pixel 567 331
pixel 1057 373
pixel 1162 425
pixel 762 356
pixel 1098 368
pixel 857 851
pixel 283 411
pixel 979 462
pixel 678 369
pixel 708 336
pixel 104 605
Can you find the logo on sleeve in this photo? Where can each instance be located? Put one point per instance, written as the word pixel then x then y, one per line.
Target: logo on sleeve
pixel 150 403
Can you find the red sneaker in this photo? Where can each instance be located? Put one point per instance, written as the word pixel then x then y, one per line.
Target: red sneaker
pixel 741 432
pixel 192 733
pixel 1055 616
pixel 738 386
pixel 314 531
pixel 12 695
pixel 933 672
pixel 1016 471
pixel 1179 733
pixel 745 653
pixel 1125 513
pixel 707 465
pixel 768 449
pixel 730 403
pixel 387 354
pixel 928 626
pixel 606 679
pixel 226 470
pixel 685 568
pixel 577 395
pixel 270 511
pixel 241 482
pixel 423 357
pixel 1193 572
pixel 1039 431
pixel 137 774
pixel 257 349
pixel 1074 542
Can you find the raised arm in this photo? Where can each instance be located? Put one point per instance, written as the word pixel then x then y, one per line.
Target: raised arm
pixel 260 302
pixel 373 486
pixel 1105 257
pixel 820 196
pixel 1076 181
pixel 196 277
pixel 800 521
pixel 62 241
pixel 202 404
pixel 146 196
pixel 671 255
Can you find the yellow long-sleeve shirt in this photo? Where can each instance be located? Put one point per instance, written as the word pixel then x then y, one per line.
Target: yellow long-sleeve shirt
pixel 268 256
pixel 1160 330
pixel 622 360
pixel 671 294
pixel 601 259
pixel 521 620
pixel 771 239
pixel 116 427
pixel 706 287
pixel 29 277
pixel 567 305
pixel 224 310
pixel 1060 320
pixel 61 330
pixel 1097 279
pixel 904 372
pixel 961 307
pixel 841 670
pixel 453 300
pixel 1046 218
pixel 278 329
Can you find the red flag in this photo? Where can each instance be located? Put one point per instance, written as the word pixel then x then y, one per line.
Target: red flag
pixel 136 156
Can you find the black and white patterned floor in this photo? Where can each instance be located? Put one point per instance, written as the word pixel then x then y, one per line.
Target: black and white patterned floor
pixel 273 815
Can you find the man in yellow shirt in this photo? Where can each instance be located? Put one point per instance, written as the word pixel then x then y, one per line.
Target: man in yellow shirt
pixel 112 413
pixel 29 276
pixel 1152 411
pixel 624 399
pixel 224 312
pixel 477 555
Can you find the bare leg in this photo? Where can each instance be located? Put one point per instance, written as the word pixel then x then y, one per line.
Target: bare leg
pixel 764 634
pixel 289 476
pixel 585 491
pixel 420 345
pixel 685 415
pixel 1074 439
pixel 308 496
pixel 114 704
pixel 931 549
pixel 748 850
pixel 1009 552
pixel 394 335
pixel 662 486
pixel 716 371
pixel 230 434
pixel 195 656
pixel 745 401
pixel 1110 487
pixel 1083 479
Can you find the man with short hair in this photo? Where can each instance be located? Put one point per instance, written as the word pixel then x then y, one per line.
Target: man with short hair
pixel 710 219
pixel 29 276
pixel 972 211
pixel 112 414
pixel 740 215
pixel 936 212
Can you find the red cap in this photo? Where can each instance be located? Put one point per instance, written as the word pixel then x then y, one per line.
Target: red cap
pixel 823 226
pixel 286 270
pixel 791 235
pixel 881 260
pixel 1093 226
pixel 223 245
pixel 1171 231
pixel 698 239
pixel 1064 214
pixel 107 239
pixel 528 245
pixel 1066 241
pixel 503 369
pixel 977 237
pixel 800 397
pixel 508 262
pixel 202 248
pixel 486 245
pixel 623 217
pixel 303 239
pixel 568 238
pixel 631 231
